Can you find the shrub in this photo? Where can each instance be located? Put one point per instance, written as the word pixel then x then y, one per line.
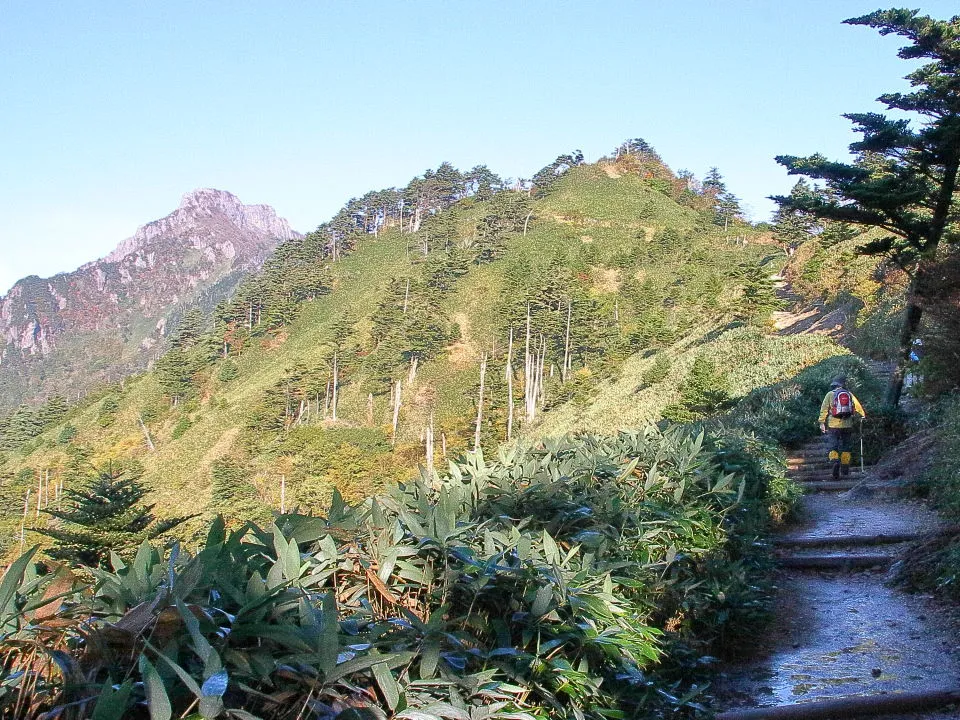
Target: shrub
pixel 658 371
pixel 703 392
pixel 182 425
pixel 228 371
pixel 68 433
pixel 108 411
pixel 547 584
pixel 786 412
pixel 232 493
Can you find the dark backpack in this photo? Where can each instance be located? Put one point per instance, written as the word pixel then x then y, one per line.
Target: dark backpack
pixel 842 406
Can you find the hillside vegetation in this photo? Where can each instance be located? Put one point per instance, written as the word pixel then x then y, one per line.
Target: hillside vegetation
pixel 630 280
pixel 564 401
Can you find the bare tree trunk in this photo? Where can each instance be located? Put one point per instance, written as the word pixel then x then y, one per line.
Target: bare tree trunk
pixel 509 372
pixel 528 376
pixel 326 400
pixel 566 345
pixel 146 433
pixel 429 448
pixel 541 392
pixel 39 492
pixel 370 409
pixel 23 523
pixel 483 375
pixel 396 411
pixel 526 222
pixel 412 375
pixel 406 297
pixel 335 383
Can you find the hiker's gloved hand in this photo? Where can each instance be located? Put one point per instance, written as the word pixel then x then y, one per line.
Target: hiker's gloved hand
pixel 823 427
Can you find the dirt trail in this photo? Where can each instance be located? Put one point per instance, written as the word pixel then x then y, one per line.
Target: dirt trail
pixel 840 632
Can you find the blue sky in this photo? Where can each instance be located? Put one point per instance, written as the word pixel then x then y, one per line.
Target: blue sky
pixel 111 111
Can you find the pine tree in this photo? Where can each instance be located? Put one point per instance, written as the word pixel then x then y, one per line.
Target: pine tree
pixel 189 329
pixel 904 180
pixel 104 515
pixel 791 226
pixel 759 296
pixel 726 206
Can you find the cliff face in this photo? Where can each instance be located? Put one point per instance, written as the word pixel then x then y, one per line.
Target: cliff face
pixel 61 335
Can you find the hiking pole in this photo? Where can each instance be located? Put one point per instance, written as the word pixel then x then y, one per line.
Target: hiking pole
pixel 861 446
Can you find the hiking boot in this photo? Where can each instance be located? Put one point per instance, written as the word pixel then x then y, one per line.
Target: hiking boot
pixel 836 471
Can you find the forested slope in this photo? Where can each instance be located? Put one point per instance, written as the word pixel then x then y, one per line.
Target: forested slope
pixel 616 293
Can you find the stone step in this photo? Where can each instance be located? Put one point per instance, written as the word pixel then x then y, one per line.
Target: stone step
pixel 843 563
pixel 854 706
pixel 807 541
pixel 828 485
pixel 819 473
pixel 800 463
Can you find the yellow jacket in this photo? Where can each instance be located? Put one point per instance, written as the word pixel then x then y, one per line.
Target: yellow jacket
pixel 834 422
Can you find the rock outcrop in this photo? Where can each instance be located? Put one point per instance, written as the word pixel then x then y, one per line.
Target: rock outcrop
pixel 61 335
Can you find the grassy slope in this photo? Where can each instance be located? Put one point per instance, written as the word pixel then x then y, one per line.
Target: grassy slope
pixel 590 207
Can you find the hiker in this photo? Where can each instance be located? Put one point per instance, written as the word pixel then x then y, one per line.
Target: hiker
pixel 839 409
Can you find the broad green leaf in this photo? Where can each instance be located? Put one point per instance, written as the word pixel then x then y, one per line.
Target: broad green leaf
pixel 430 656
pixel 329 634
pixel 210 707
pixel 200 644
pixel 364 663
pixel 112 703
pixel 541 603
pixel 184 676
pixel 158 702
pixel 10 583
pixel 387 684
pixel 550 549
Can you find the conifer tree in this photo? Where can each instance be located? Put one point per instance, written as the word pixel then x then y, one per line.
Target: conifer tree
pixel 189 329
pixel 904 180
pixel 104 515
pixel 793 226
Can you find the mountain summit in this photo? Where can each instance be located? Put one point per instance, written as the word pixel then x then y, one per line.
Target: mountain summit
pixel 61 335
pixel 212 220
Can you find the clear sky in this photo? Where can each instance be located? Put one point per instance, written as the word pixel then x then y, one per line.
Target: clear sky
pixel 110 111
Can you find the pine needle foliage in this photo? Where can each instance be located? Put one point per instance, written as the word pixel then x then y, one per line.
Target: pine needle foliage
pixel 105 515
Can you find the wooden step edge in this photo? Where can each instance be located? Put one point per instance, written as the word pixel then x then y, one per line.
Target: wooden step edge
pixel 827 485
pixel 852 540
pixel 853 706
pixel 833 562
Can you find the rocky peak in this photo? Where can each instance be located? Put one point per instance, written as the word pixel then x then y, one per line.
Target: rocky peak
pixel 198 210
pixel 111 314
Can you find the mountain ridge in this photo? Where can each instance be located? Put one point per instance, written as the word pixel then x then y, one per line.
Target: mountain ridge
pixel 51 327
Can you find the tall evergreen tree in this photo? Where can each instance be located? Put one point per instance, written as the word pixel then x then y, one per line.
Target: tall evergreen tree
pixel 905 178
pixel 726 206
pixel 104 515
pixel 793 226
